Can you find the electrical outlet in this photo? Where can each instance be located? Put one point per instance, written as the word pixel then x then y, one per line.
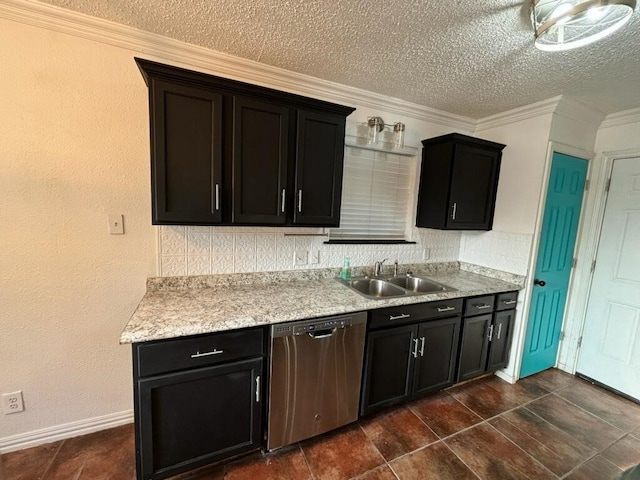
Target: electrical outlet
pixel 426 253
pixel 314 257
pixel 12 402
pixel 300 257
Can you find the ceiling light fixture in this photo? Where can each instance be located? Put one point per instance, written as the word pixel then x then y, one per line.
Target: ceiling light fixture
pixel 567 24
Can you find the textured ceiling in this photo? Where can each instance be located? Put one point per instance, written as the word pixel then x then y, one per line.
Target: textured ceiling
pixel 469 57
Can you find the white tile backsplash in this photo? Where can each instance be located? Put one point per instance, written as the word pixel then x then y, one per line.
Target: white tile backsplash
pixel 212 250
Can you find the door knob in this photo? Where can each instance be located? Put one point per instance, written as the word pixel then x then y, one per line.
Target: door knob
pixel 542 283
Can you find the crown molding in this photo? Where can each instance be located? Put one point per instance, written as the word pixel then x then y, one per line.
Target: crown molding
pixel 622 118
pixel 533 110
pixel 185 55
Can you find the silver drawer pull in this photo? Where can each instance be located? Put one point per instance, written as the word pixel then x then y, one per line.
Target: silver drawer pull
pixel 300 201
pixel 445 309
pixel 415 347
pixel 423 339
pixel 217 197
pixel 499 331
pixel 206 354
pixel 482 306
pixel 258 389
pixel 508 302
pixel 490 335
pixel 399 317
pixel 283 195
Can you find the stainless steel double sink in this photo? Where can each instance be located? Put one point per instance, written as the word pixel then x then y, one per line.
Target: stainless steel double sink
pixel 398 286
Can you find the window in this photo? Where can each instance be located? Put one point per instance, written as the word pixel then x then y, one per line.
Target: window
pixel 375 195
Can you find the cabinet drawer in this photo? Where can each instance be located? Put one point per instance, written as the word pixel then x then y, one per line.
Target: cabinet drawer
pixel 507 301
pixel 479 305
pixel 194 352
pixel 404 314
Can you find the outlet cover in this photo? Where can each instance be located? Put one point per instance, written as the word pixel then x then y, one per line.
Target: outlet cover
pixel 300 257
pixel 426 254
pixel 116 224
pixel 12 402
pixel 314 257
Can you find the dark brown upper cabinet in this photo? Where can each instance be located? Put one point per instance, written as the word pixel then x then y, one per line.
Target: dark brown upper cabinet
pixel 458 183
pixel 229 153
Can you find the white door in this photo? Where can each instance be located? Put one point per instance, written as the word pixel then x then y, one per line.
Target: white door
pixel 610 352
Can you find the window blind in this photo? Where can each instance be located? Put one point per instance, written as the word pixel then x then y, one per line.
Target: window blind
pixel 375 195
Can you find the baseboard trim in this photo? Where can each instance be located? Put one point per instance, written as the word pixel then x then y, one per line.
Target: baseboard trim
pixel 505 376
pixel 64 431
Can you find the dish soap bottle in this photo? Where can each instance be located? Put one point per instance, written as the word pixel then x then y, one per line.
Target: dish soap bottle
pixel 345 273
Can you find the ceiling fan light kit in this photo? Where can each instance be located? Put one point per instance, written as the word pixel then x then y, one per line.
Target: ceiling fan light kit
pixel 566 24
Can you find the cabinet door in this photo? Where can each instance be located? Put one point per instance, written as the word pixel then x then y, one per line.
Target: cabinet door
pixel 501 340
pixel 186 153
pixel 437 355
pixel 260 156
pixel 388 367
pixel 473 188
pixel 319 163
pixel 195 417
pixel 474 346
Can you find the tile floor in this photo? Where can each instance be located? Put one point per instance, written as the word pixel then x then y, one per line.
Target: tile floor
pixel 548 426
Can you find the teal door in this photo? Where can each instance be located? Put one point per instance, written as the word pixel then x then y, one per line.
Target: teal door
pixel 554 263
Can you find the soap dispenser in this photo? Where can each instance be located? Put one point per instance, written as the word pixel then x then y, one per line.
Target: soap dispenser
pixel 345 273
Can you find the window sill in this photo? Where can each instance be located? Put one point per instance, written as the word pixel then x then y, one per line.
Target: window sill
pixel 367 242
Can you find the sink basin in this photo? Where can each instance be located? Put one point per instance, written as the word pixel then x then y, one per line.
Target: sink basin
pixel 418 284
pixel 375 288
pixel 378 288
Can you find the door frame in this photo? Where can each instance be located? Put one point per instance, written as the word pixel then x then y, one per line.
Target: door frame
pixel 522 315
pixel 576 312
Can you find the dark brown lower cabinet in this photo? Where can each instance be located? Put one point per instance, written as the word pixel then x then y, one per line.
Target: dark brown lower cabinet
pixel 485 344
pixel 406 362
pixel 191 417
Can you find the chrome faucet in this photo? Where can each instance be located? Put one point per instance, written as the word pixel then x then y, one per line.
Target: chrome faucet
pixel 378 267
pixel 395 268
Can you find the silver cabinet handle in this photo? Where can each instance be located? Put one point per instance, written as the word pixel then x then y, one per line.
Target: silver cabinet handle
pixel 482 306
pixel 490 332
pixel 258 389
pixel 499 330
pixel 217 197
pixel 283 195
pixel 445 309
pixel 215 351
pixel 508 302
pixel 415 348
pixel 422 346
pixel 454 208
pixel 399 317
pixel 300 201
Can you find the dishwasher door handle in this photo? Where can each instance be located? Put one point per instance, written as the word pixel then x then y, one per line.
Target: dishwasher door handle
pixel 323 333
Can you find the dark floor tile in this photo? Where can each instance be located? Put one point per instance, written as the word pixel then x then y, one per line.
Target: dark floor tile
pixel 482 399
pixel 625 453
pixel 598 468
pixel 444 414
pixel 341 455
pixel 522 392
pixel 280 465
pixel 581 425
pixel 435 462
pixel 551 380
pixel 398 432
pixel 101 455
pixel 490 455
pixel 30 463
pixel 612 408
pixel 380 473
pixel 556 450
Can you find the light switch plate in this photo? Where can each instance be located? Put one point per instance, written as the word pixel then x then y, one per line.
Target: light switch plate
pixel 116 224
pixel 426 253
pixel 300 257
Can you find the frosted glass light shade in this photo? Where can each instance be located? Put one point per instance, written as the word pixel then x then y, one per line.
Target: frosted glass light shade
pixel 567 24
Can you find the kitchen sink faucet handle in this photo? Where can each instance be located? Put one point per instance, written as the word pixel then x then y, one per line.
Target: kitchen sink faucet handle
pixel 395 268
pixel 378 267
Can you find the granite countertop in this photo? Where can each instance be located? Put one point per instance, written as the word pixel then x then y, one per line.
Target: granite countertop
pixel 181 306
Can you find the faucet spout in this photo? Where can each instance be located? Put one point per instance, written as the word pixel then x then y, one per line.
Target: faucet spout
pixel 378 267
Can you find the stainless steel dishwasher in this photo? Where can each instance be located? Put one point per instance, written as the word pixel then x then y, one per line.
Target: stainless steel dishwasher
pixel 316 368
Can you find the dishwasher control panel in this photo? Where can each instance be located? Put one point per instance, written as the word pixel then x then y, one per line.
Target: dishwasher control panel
pixel 327 325
pixel 317 324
